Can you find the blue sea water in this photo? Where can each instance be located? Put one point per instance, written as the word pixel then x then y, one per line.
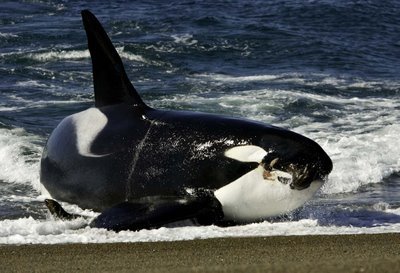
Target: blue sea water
pixel 326 69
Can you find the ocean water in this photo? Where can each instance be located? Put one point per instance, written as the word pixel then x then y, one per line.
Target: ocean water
pixel 327 69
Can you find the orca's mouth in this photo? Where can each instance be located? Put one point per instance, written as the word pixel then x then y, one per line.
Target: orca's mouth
pixel 303 177
pixel 296 169
pixel 299 177
pixel 272 173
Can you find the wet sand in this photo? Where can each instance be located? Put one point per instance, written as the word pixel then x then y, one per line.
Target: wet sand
pixel 338 253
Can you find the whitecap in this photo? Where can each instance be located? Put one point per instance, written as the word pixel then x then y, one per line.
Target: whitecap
pixel 8 35
pixel 305 79
pixel 19 157
pixel 185 39
pixel 60 55
pixel 80 54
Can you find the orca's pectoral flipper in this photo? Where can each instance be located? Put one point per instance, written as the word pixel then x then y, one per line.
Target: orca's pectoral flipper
pixel 111 84
pixel 157 211
pixel 57 211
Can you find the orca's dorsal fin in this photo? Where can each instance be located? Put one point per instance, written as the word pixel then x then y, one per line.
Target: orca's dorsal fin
pixel 111 84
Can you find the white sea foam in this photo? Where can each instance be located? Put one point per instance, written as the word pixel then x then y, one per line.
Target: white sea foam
pixel 236 79
pixel 304 79
pixel 365 158
pixel 60 55
pixel 80 54
pixel 9 108
pixel 25 103
pixel 53 231
pixel 186 39
pixel 8 35
pixel 31 231
pixel 130 56
pixel 32 83
pixel 19 157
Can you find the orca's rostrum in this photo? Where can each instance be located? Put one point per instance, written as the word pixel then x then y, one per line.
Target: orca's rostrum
pixel 144 168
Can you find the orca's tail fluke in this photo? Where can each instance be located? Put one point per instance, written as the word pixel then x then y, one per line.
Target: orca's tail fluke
pixel 111 84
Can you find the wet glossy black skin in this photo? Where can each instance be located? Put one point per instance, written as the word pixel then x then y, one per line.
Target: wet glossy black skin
pixel 147 152
pixel 168 152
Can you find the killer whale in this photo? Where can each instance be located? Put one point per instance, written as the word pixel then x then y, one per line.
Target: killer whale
pixel 143 168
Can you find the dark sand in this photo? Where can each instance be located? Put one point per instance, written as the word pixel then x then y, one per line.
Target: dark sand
pixel 344 253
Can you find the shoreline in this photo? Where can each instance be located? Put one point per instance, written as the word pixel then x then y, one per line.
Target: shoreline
pixel 312 253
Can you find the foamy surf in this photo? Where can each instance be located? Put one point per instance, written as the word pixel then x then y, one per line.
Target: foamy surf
pixel 361 140
pixel 335 83
pixel 71 54
pixel 310 79
pixel 313 219
pixel 19 157
pixel 31 231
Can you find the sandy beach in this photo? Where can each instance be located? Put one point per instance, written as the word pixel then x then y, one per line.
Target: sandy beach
pixel 338 253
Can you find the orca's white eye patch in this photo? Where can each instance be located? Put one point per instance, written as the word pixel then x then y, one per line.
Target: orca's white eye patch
pixel 252 153
pixel 246 153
